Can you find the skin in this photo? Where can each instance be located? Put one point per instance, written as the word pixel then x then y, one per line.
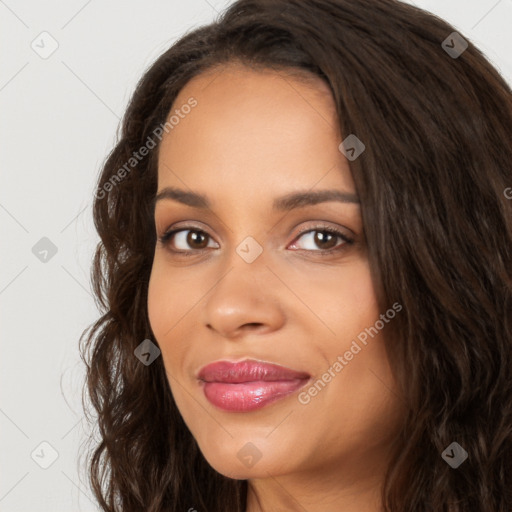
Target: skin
pixel 254 136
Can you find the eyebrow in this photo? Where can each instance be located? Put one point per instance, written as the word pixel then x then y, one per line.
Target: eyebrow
pixel 283 203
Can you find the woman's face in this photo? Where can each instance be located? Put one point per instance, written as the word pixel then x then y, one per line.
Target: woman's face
pixel 255 276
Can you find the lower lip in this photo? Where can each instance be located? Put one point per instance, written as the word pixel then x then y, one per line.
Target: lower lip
pixel 249 396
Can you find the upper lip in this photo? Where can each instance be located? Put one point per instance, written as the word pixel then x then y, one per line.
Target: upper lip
pixel 247 371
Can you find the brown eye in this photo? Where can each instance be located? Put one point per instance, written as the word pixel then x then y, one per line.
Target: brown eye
pixel 322 240
pixel 197 239
pixel 186 240
pixel 325 240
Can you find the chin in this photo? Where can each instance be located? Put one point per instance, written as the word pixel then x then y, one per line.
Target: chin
pixel 245 461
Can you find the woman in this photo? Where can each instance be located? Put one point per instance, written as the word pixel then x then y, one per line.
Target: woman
pixel 306 270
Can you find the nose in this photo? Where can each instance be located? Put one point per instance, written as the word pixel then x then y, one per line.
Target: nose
pixel 244 300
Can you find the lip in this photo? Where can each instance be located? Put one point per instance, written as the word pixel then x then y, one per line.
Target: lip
pixel 248 385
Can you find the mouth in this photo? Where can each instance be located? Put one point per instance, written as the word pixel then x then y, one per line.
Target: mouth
pixel 248 385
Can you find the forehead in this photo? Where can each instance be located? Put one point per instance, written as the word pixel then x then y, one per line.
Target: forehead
pixel 255 131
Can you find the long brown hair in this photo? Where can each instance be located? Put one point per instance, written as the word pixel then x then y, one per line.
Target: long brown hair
pixel 438 223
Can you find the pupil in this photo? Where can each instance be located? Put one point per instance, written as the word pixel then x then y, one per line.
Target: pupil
pixel 193 237
pixel 321 237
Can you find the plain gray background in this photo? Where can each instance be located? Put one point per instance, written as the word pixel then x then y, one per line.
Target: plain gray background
pixel 59 116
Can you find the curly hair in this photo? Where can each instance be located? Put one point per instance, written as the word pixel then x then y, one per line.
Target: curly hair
pixel 438 223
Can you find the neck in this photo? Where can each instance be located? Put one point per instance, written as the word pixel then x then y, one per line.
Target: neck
pixel 314 493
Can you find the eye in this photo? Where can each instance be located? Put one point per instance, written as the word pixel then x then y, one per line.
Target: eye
pixel 323 239
pixel 190 240
pixel 185 239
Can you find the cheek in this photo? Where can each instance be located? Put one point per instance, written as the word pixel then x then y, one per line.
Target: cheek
pixel 165 309
pixel 170 297
pixel 166 306
pixel 348 303
pixel 157 302
pixel 359 292
pixel 173 299
pixel 364 387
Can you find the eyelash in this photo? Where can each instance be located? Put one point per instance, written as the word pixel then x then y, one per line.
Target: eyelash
pixel 166 237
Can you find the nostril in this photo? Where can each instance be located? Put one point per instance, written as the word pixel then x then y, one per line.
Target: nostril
pixel 253 324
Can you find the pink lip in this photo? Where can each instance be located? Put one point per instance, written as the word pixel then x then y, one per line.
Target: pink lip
pixel 248 385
